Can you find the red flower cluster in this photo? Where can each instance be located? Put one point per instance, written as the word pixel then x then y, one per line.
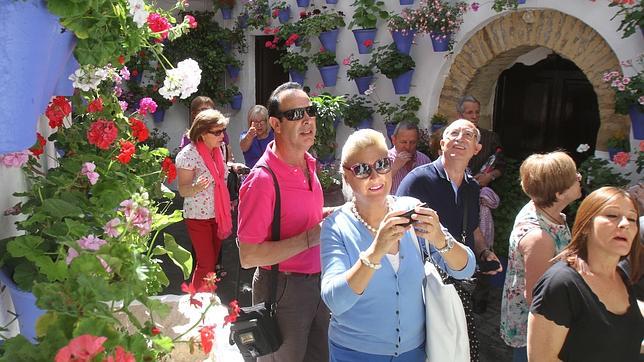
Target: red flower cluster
pixel 58 109
pixel 127 150
pixel 102 133
pixel 95 106
pixel 169 168
pixel 367 43
pixel 81 348
pixel 276 13
pixel 192 23
pixel 621 158
pixel 160 25
pixel 139 129
pixel 233 313
pixel 39 147
pixel 291 40
pixel 207 337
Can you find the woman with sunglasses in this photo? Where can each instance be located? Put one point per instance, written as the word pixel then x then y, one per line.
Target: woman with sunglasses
pixel 584 307
pixel 540 232
pixel 372 268
pixel 201 173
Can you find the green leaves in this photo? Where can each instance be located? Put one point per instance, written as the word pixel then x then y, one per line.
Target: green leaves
pixel 59 208
pixel 180 256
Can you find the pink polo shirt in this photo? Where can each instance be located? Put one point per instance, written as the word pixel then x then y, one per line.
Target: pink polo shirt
pixel 301 207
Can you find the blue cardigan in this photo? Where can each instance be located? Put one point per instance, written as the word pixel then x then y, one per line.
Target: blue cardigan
pixel 389 317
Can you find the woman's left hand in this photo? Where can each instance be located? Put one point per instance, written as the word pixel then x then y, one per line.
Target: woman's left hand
pixel 428 226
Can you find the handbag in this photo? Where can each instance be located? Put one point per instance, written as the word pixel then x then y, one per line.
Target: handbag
pixel 446 332
pixel 256 332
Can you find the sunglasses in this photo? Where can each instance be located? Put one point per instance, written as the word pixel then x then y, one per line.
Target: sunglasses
pixel 297 114
pixel 363 170
pixel 217 133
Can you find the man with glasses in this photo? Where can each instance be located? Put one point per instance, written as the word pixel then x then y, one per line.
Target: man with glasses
pixel 404 154
pixel 302 317
pixel 449 190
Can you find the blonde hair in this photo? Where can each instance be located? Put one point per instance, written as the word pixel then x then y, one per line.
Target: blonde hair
pixel 356 143
pixel 204 121
pixel 545 175
pixel 260 111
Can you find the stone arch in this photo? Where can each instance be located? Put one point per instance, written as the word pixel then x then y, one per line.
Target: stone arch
pixel 495 47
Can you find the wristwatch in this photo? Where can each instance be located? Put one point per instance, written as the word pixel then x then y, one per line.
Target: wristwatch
pixel 449 244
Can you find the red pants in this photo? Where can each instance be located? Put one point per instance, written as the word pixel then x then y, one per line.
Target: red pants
pixel 207 246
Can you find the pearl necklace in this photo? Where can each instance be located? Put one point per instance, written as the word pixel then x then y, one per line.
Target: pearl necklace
pixel 354 210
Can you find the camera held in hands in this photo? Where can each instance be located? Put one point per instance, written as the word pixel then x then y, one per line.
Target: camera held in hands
pixel 410 212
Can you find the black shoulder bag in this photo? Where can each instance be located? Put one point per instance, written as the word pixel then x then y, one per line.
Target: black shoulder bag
pixel 255 332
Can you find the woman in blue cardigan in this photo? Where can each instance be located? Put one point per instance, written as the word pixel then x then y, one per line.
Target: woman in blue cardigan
pixel 372 268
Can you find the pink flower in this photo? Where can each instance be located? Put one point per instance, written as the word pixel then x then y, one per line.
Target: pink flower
pixel 125 73
pixel 121 355
pixel 137 216
pixel 640 100
pixel 475 6
pixel 192 23
pixel 322 49
pixel 123 105
pixel 626 80
pixel 147 105
pixel 346 61
pixel 641 146
pixel 621 158
pixel 110 228
pixel 104 264
pixel 88 170
pixel 621 87
pixel 320 85
pixel 14 159
pixel 268 44
pixel 91 242
pixel 81 348
pixel 71 255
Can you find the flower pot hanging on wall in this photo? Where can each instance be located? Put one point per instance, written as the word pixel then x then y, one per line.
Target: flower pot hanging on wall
pixel 637 122
pixel 329 74
pixel 159 115
pixel 227 13
pixel 402 83
pixel 329 39
pixel 24 304
pixel 365 38
pixel 365 124
pixel 296 76
pixel 406 2
pixel 303 3
pixel 440 42
pixel 363 83
pixel 236 101
pixel 233 71
pixel 391 127
pixel 284 15
pixel 403 40
pixel 331 1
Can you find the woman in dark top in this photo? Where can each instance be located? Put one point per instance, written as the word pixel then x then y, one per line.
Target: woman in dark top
pixel 583 307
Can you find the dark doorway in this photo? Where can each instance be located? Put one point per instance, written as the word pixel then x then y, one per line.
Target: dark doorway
pixel 547 106
pixel 268 75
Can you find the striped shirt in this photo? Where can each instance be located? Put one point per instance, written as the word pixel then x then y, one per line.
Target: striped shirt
pixel 419 159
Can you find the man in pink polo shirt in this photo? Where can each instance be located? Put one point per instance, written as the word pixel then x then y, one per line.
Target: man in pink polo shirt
pixel 302 317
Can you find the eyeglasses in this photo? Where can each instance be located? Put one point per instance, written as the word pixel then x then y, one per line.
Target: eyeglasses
pixel 363 170
pixel 297 114
pixel 467 133
pixel 217 133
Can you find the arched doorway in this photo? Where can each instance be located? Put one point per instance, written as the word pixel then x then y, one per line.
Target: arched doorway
pixel 544 107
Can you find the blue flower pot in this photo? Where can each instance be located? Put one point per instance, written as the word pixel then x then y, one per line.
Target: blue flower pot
pixel 233 71
pixel 284 15
pixel 402 83
pixel 159 115
pixel 362 36
pixel 336 122
pixel 329 74
pixel 363 83
pixel 36 64
pixel 637 122
pixel 296 76
pixel 403 40
pixel 406 2
pixel 236 101
pixel 303 3
pixel 331 1
pixel 24 304
pixel 436 127
pixel 329 39
pixel 521 2
pixel 440 42
pixel 391 127
pixel 227 13
pixel 365 124
pixel 243 21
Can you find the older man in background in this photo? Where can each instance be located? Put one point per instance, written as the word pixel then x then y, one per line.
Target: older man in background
pixel 404 153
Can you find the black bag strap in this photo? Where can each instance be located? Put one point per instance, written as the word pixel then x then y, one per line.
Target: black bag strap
pixel 275 236
pixel 464 227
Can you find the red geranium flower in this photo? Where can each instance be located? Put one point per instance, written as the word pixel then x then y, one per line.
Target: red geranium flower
pixel 155 331
pixel 81 348
pixel 121 355
pixel 233 313
pixel 139 129
pixel 190 289
pixel 367 43
pixel 39 147
pixel 207 336
pixel 121 59
pixel 127 150
pixel 621 158
pixel 169 168
pixel 102 133
pixel 57 109
pixel 95 106
pixel 158 24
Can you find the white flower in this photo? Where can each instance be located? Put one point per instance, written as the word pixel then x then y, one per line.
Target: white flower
pixel 583 148
pixel 181 81
pixel 88 77
pixel 137 10
pixel 370 90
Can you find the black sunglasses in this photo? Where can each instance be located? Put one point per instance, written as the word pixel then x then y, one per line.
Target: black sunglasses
pixel 217 133
pixel 297 114
pixel 363 170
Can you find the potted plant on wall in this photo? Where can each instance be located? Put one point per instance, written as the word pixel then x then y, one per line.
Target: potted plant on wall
pixel 365 17
pixel 633 17
pixel 438 121
pixel 282 11
pixel 358 113
pixel 329 109
pixel 403 29
pixel 226 7
pixel 328 67
pixel 500 5
pixel 325 24
pixel 393 114
pixel 362 74
pixel 295 64
pixel 441 20
pixel 629 98
pixel 396 66
pixel 257 13
pixel 616 143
